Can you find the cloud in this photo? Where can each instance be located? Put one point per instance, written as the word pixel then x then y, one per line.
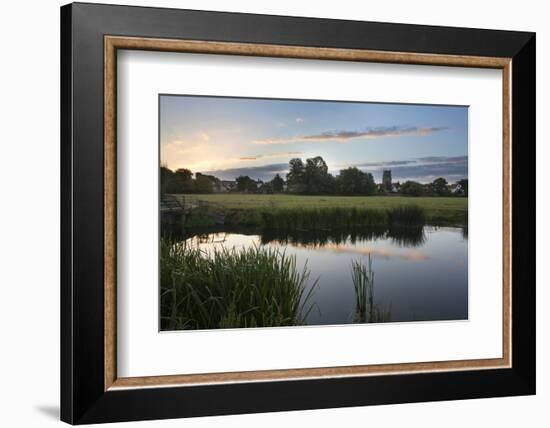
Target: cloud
pixel 428 172
pixel 403 254
pixel 299 119
pixel 342 136
pixel 416 161
pixel 263 172
pixel 378 132
pixel 384 163
pixel 443 158
pixel 423 169
pixel 270 156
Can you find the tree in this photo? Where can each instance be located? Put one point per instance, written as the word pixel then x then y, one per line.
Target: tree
pixel 277 184
pixel 203 184
pixel 331 185
pixel 440 187
pixel 165 180
pixel 369 186
pixel 266 187
pixel 184 180
pixel 348 181
pixel 184 173
pixel 172 182
pixel 412 188
pixel 353 181
pixel 463 185
pixel 315 176
pixel 246 184
pixel 295 176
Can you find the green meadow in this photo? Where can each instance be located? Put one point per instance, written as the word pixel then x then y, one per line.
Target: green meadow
pixel 450 211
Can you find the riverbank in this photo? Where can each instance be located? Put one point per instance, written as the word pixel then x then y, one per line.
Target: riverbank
pixel 258 210
pixel 413 277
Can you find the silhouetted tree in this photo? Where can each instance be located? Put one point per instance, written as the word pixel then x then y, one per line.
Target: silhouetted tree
pixel 463 186
pixel 353 181
pixel 277 184
pixel 295 176
pixel 331 185
pixel 266 187
pixel 184 173
pixel 412 188
pixel 440 187
pixel 246 184
pixel 173 182
pixel 184 180
pixel 165 180
pixel 203 183
pixel 315 176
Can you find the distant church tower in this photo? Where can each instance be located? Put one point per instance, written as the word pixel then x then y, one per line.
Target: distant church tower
pixel 386 179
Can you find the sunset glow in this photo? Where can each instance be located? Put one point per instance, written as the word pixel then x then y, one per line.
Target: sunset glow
pixel 228 137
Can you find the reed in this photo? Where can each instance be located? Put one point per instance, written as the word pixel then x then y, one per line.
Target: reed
pixel 406 216
pixel 406 225
pixel 319 219
pixel 231 288
pixel 366 310
pixel 314 219
pixel 465 226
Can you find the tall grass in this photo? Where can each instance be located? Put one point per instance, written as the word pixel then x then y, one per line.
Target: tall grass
pixel 307 218
pixel 230 288
pixel 366 311
pixel 406 216
pixel 321 218
pixel 465 226
pixel 406 225
pixel 341 218
pixel 244 209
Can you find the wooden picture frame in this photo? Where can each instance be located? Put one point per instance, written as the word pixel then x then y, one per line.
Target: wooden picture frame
pixel 91 390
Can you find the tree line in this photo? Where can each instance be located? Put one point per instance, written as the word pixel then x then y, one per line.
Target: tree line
pixel 306 178
pixel 313 178
pixel 182 181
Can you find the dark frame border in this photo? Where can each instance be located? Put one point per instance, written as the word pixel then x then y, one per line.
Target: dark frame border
pixel 114 43
pixel 83 399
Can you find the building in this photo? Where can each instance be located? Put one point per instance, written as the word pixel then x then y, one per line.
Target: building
pixel 457 189
pixel 386 180
pixel 396 187
pixel 228 185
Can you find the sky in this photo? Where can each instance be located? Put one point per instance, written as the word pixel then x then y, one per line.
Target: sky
pixel 228 137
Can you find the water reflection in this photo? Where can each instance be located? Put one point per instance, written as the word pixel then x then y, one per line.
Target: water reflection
pixel 418 274
pixel 409 237
pixel 402 237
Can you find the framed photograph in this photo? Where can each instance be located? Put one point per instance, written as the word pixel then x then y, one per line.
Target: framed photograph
pixel 266 213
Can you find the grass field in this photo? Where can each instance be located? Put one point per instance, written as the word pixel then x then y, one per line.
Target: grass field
pixel 438 210
pixel 253 201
